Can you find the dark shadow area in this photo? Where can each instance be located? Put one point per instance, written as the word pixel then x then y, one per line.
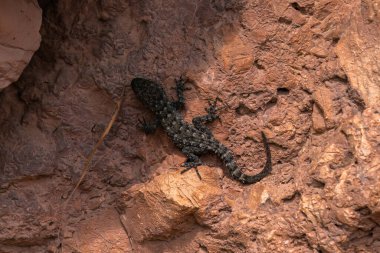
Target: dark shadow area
pixel 54 114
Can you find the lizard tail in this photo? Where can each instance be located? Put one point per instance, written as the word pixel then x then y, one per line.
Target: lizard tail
pixel 228 159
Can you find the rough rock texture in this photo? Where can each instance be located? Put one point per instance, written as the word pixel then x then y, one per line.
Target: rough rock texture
pixel 305 72
pixel 20 22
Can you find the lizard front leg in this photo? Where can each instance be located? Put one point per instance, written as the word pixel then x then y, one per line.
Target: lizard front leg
pixel 180 87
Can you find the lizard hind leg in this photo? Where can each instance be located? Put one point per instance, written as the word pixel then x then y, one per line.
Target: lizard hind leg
pixel 193 161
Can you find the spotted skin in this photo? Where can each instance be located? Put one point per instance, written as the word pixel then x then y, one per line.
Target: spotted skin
pixel 193 139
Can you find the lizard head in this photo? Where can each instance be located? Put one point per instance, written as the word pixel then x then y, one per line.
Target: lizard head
pixel 148 92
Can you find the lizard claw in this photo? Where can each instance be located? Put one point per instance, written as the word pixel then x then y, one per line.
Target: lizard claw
pixel 196 170
pixel 180 83
pixel 191 165
pixel 141 122
pixel 182 78
pixel 212 105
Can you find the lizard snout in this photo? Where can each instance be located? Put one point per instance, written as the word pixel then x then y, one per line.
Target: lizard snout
pixel 136 84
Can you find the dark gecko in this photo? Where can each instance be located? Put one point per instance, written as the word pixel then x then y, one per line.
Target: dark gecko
pixel 193 139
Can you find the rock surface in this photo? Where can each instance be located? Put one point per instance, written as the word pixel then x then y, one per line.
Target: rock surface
pixel 305 72
pixel 20 22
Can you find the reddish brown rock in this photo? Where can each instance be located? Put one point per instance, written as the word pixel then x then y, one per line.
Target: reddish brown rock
pixel 19 37
pixel 167 206
pixel 303 72
pixel 98 235
pixel 323 111
pixel 319 123
pixel 359 47
pixel 236 55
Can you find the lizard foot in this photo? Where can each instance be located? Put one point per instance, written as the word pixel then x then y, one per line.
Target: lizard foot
pixel 191 165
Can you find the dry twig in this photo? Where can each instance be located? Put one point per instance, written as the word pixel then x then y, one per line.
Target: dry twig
pixel 89 159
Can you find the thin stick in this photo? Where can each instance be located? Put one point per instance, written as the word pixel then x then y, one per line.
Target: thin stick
pixel 121 217
pixel 89 158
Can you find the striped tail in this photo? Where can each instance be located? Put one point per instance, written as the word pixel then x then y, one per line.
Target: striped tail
pixel 229 161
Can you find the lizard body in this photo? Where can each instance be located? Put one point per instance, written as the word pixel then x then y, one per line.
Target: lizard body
pixel 194 138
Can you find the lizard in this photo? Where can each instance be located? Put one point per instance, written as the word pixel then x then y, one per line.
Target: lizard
pixel 193 139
